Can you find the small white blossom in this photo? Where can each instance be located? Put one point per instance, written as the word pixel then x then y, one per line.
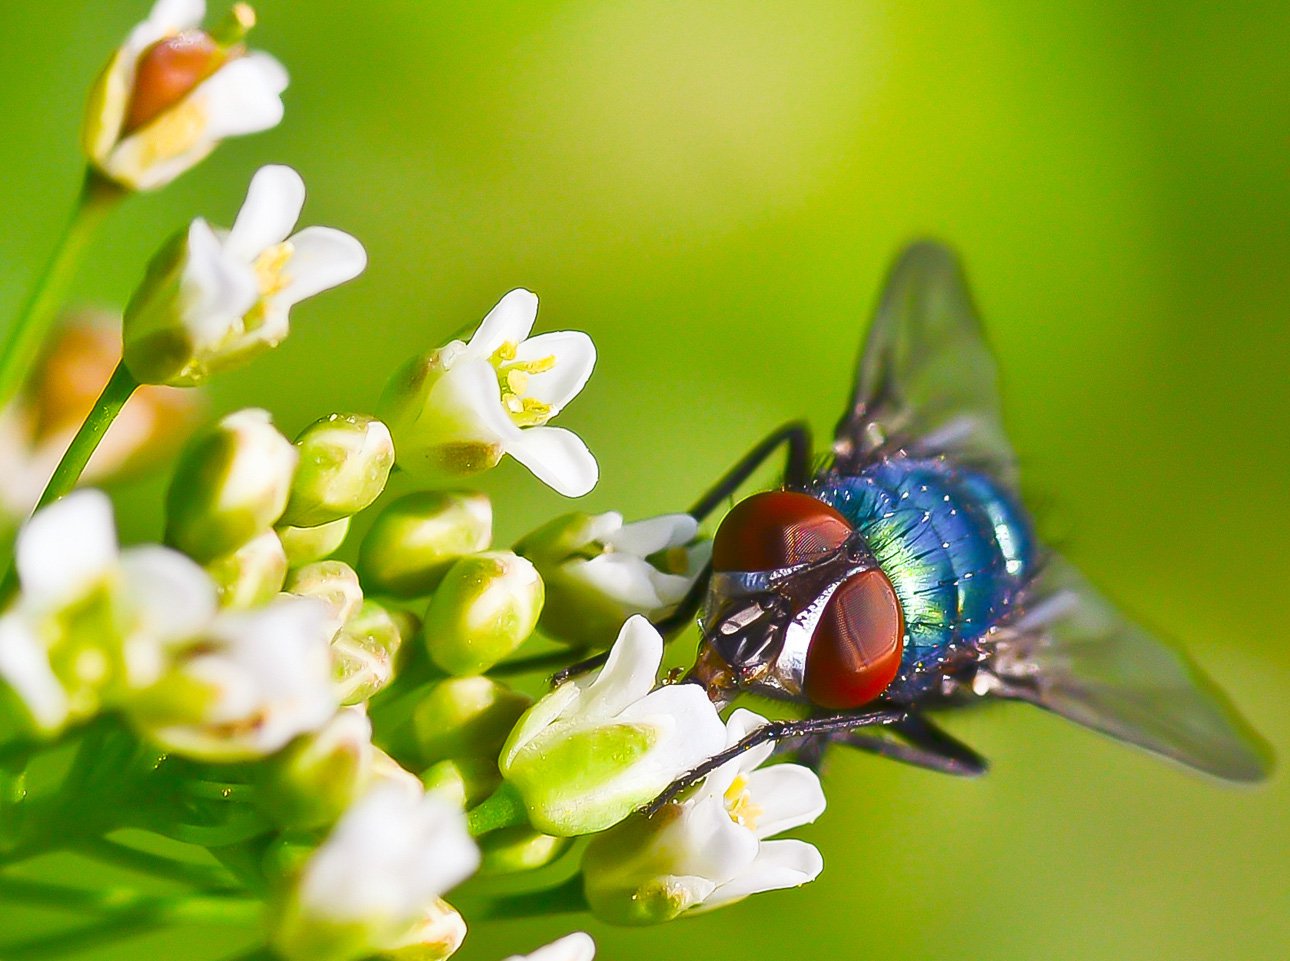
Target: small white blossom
pixel 367 888
pixel 172 92
pixel 599 746
pixel 244 686
pixel 572 947
pixel 92 624
pixel 600 571
pixel 223 297
pixel 459 409
pixel 710 848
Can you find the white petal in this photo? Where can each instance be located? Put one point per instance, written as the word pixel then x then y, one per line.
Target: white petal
pixel 272 207
pixel 466 404
pixel 167 17
pixel 510 321
pixel 779 864
pixel 558 458
pixel 621 577
pixel 243 96
pixel 629 673
pixel 572 947
pixel 646 537
pixel 321 258
pixel 575 356
pixel 789 795
pixel 65 547
pixel 216 289
pixel 173 595
pixel 742 723
pixel 24 664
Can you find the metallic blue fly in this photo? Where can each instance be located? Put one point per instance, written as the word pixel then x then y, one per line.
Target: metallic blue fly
pixel 904 578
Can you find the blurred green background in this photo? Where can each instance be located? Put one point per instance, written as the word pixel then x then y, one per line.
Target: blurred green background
pixel 713 190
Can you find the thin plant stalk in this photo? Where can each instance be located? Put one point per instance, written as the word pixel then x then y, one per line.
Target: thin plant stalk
pixel 27 334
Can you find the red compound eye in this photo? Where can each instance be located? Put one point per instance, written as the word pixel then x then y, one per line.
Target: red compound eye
pixel 855 651
pixel 777 529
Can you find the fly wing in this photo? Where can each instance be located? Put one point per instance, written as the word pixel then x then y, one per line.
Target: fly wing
pixel 1068 650
pixel 926 381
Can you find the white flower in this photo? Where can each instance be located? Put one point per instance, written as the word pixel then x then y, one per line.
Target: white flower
pixel 599 571
pixel 436 936
pixel 572 947
pixel 92 624
pixel 172 92
pixel 599 746
pixel 245 685
pixel 710 848
pixel 385 864
pixel 460 408
pixel 222 297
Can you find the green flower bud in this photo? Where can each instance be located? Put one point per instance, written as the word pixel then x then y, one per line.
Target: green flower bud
pixel 418 537
pixel 486 607
pixel 252 575
pixel 465 781
pixel 363 653
pixel 466 717
pixel 332 582
pixel 345 460
pixel 519 848
pixel 315 780
pixel 230 486
pixel 304 545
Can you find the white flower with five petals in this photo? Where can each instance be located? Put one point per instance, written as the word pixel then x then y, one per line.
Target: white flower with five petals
pixel 459 409
pixel 599 746
pixel 172 92
pixel 710 848
pixel 218 298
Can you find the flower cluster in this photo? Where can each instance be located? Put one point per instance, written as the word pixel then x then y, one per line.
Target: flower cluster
pixel 347 737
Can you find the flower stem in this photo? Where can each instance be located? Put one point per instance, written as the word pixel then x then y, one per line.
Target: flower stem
pixel 568 898
pixel 69 470
pixel 23 340
pixel 503 809
pixel 156 865
pixel 125 902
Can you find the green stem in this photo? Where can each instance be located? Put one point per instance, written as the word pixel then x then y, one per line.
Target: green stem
pixel 69 470
pixel 27 334
pixel 123 902
pixel 156 865
pixel 503 809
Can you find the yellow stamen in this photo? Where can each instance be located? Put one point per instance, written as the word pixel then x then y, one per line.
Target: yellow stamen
pixel 743 810
pixel 514 379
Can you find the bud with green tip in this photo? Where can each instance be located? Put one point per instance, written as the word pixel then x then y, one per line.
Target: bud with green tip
pixel 417 538
pixel 332 582
pixel 466 717
pixel 599 746
pixel 252 575
pixel 436 937
pixel 599 571
pixel 465 781
pixel 345 460
pixel 518 848
pixel 230 486
pixel 486 607
pixel 363 653
pixel 304 545
pixel 315 780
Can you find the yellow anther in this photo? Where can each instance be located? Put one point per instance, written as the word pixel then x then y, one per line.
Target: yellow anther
pixel 270 268
pixel 740 806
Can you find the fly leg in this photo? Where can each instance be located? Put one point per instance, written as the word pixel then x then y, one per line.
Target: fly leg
pixel 926 746
pixel 796 437
pixel 772 732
